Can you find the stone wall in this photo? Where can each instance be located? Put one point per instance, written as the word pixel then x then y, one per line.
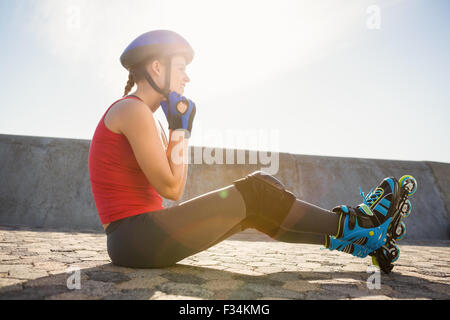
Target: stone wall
pixel 44 182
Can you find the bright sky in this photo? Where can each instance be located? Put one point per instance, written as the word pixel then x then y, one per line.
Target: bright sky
pixel 308 77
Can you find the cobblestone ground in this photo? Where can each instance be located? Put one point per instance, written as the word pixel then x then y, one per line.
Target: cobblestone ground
pixel 35 265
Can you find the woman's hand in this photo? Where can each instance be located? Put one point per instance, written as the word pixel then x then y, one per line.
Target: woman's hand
pixel 180 112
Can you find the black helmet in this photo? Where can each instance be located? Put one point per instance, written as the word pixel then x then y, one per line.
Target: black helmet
pixel 157 43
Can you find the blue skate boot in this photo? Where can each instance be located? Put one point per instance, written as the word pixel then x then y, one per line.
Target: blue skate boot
pixel 374 225
pixel 361 226
pixel 354 249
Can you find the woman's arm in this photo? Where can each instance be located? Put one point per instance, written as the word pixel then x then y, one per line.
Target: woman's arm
pixel 163 135
pixel 177 155
pixel 185 152
pixel 138 124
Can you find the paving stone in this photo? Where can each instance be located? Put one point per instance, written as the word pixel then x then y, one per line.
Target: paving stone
pixel 132 294
pixel 86 264
pixel 346 291
pixel 208 262
pixel 85 253
pixel 158 295
pixel 9 245
pixel 268 270
pixel 301 286
pixel 183 278
pixel 145 273
pixel 185 289
pixel 4 258
pixel 74 295
pixel 275 291
pixel 7 284
pixel 5 268
pixel 106 276
pixel 441 288
pixel 61 250
pixel 142 283
pixel 215 285
pixel 21 261
pixel 124 270
pixel 24 272
pixel 314 275
pixel 244 294
pixel 260 264
pixel 213 274
pixel 39 251
pixel 285 268
pixel 248 272
pixel 219 268
pixel 274 298
pixel 308 265
pixel 34 293
pixel 264 280
pixel 284 276
pixel 50 266
pixel 97 257
pixel 223 259
pixel 64 259
pixel 222 294
pixel 97 288
pixel 343 279
pixel 51 280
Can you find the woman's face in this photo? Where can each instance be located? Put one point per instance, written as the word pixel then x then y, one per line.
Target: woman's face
pixel 178 77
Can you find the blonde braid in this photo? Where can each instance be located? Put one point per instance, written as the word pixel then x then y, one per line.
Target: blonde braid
pixel 130 84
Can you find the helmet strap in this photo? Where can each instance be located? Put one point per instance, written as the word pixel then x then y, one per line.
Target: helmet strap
pixel 168 72
pixel 149 79
pixel 152 83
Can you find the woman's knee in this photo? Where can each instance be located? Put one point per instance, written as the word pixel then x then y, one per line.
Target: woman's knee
pixel 265 197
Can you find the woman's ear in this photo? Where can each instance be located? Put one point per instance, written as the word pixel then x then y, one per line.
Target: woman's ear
pixel 156 67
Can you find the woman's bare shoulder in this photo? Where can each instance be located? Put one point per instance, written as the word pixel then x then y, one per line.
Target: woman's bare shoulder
pixel 117 113
pixel 128 105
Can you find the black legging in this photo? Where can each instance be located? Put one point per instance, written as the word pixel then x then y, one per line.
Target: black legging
pixel 162 238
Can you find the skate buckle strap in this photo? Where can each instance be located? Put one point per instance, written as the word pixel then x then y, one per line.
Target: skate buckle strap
pixel 372 196
pixel 365 197
pixel 365 209
pixel 346 213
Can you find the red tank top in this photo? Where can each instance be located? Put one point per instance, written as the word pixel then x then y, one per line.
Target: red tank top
pixel 119 186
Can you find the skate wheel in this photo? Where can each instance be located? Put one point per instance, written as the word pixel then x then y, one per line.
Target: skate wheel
pixel 390 253
pixel 395 253
pixel 405 209
pixel 385 253
pixel 375 262
pixel 409 183
pixel 382 259
pixel 400 231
